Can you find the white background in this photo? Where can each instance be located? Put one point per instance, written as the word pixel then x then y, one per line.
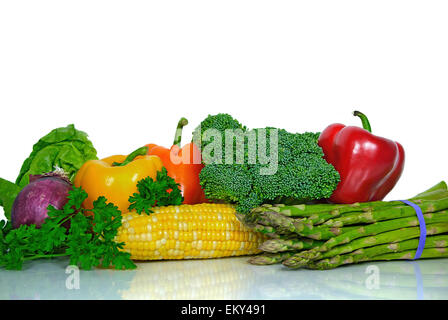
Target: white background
pixel 126 71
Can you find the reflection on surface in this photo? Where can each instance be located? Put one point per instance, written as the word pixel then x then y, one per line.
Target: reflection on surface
pixel 231 278
pixel 396 280
pixel 226 278
pixel 46 279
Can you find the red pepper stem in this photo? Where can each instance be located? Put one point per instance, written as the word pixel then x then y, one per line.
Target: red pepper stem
pixel 139 152
pixel 364 120
pixel 178 137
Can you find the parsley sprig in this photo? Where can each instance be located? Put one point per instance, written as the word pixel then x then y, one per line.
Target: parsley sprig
pixel 88 241
pixel 164 191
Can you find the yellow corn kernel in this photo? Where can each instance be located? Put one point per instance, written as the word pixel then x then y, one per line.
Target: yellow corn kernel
pixel 198 231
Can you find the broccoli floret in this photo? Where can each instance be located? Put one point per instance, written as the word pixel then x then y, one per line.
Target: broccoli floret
pixel 229 182
pixel 203 136
pixel 289 167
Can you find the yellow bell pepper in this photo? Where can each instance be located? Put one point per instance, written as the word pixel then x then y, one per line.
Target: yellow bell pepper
pixel 116 177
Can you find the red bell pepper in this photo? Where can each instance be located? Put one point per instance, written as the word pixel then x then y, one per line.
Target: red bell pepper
pixel 369 165
pixel 183 164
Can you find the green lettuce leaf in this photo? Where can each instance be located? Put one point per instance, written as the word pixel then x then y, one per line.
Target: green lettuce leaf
pixel 8 193
pixel 66 148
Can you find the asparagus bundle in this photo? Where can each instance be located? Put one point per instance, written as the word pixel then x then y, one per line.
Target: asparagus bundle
pixel 326 236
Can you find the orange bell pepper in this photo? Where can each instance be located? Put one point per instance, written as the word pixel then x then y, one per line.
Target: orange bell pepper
pixel 183 164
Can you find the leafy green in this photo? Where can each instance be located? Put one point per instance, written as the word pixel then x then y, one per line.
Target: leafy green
pixel 164 191
pixel 89 241
pixel 66 148
pixel 8 193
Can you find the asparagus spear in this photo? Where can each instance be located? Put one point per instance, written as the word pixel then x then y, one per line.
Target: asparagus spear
pixel 291 225
pixel 281 245
pixel 385 237
pixel 314 211
pixel 281 222
pixel 366 254
pixel 271 215
pixel 441 186
pixel 388 213
pixel 299 210
pixel 267 231
pixel 310 210
pixel 409 254
pixel 270 258
pixel 354 209
pixel 340 217
pixel 263 224
pixel 383 226
pixel 306 226
pixel 302 258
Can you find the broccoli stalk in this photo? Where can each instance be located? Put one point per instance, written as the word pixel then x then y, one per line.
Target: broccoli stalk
pixel 252 167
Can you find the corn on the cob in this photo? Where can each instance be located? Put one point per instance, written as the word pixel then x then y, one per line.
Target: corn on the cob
pixel 198 231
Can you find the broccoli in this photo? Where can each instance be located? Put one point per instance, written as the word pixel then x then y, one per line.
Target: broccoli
pixel 287 166
pixel 203 135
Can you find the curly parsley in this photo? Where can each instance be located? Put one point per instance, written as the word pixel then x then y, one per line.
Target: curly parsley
pixel 88 241
pixel 164 191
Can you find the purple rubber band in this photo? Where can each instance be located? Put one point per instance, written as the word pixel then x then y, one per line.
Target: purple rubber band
pixel 421 221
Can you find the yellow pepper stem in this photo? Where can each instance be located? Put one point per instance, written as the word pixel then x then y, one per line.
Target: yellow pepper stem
pixel 139 152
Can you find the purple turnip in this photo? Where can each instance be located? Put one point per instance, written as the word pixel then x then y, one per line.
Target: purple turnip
pixel 30 205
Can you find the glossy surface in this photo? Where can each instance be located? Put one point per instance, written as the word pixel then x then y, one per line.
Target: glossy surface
pixel 229 278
